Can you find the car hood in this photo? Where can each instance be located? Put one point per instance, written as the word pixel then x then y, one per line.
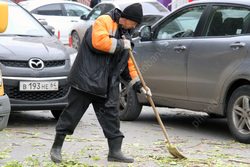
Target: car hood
pixel 24 48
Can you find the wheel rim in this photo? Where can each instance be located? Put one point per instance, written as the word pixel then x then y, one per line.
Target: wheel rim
pixel 123 97
pixel 241 114
pixel 75 41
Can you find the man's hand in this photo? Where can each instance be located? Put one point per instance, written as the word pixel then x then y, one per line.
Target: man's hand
pixel 137 86
pixel 142 90
pixel 127 44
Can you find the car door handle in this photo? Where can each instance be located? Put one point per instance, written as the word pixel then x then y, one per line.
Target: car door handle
pixel 74 21
pixel 180 48
pixel 237 45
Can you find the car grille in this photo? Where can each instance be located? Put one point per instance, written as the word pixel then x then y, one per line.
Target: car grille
pixel 14 93
pixel 25 64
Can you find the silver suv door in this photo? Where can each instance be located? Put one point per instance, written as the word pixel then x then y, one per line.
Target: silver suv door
pixel 164 59
pixel 217 53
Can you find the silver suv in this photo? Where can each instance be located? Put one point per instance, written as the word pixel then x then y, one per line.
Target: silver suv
pixel 198 58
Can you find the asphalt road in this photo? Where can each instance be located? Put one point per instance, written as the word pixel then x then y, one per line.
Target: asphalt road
pixel 203 140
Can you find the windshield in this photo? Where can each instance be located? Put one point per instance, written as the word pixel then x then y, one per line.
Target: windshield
pixel 21 23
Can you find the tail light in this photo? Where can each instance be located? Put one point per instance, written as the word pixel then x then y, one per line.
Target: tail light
pixel 70 41
pixel 58 34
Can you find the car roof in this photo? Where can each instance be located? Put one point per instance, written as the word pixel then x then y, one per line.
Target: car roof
pixel 119 3
pixel 32 4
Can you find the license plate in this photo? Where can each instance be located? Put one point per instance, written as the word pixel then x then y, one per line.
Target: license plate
pixel 38 86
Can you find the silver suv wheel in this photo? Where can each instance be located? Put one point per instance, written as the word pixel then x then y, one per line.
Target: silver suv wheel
pixel 128 106
pixel 239 114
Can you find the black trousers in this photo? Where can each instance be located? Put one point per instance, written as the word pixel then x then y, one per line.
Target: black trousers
pixel 78 103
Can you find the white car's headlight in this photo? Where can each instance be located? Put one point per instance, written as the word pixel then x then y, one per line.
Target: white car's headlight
pixel 72 58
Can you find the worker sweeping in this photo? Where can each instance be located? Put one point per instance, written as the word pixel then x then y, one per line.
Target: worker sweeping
pixel 94 79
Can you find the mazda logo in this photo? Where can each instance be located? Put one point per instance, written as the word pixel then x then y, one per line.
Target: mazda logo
pixel 36 64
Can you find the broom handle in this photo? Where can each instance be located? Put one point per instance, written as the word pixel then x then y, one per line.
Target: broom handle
pixel 149 97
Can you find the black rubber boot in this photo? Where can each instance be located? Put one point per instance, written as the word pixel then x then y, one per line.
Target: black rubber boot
pixel 115 153
pixel 55 152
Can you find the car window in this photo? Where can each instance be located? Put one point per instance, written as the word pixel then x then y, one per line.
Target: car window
pixel 99 10
pixel 181 24
pixel 21 23
pixel 76 10
pixel 107 8
pixel 96 12
pixel 147 20
pixel 226 20
pixel 53 10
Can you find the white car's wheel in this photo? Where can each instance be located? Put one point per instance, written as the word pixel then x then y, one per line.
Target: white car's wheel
pixel 76 42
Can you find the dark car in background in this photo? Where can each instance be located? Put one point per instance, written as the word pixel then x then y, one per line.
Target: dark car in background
pixel 152 12
pixel 197 58
pixel 34 63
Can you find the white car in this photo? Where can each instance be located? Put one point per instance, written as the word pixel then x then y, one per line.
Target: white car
pixel 61 15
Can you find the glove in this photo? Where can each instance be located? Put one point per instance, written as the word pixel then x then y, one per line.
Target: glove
pixel 127 44
pixel 137 86
pixel 142 90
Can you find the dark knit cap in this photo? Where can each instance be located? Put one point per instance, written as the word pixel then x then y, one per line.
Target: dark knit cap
pixel 133 12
